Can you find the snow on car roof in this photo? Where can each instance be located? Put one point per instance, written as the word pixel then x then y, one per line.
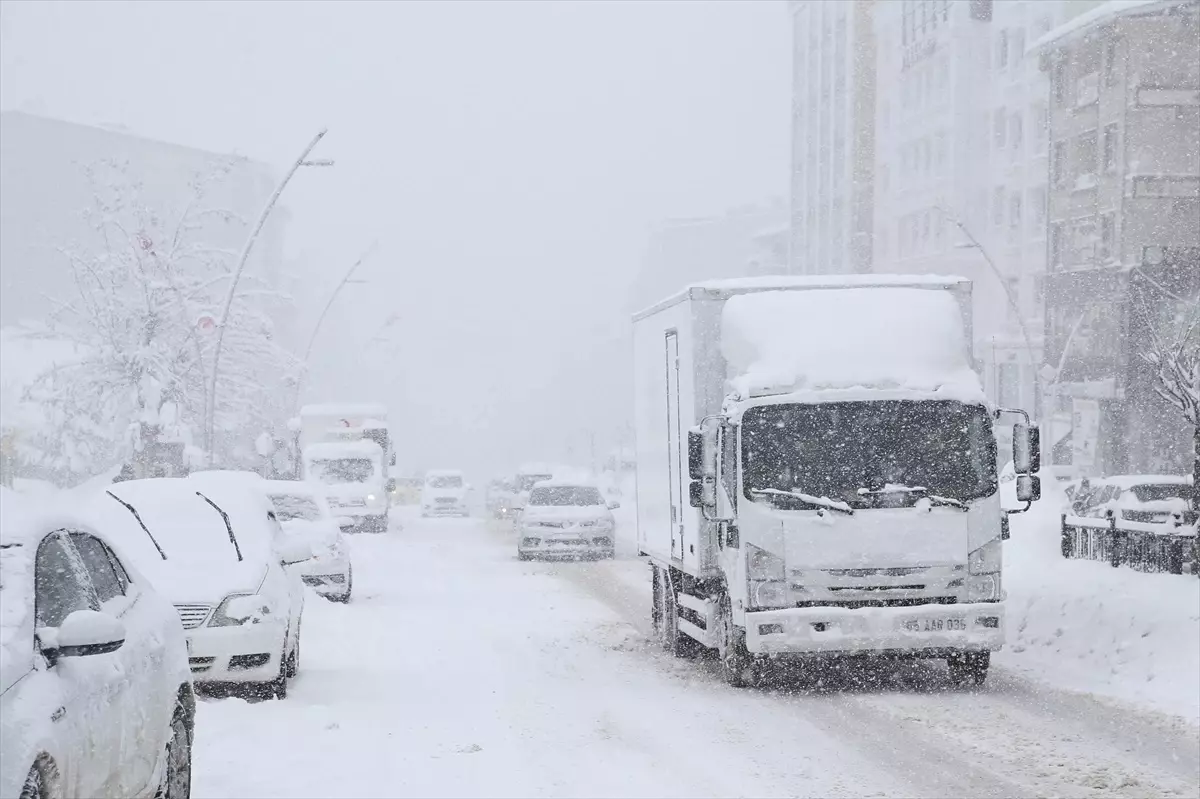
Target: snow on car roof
pixel 371 409
pixel 899 338
pixel 363 448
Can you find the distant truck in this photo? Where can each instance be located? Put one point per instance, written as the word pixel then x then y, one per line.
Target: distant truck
pixel 347 448
pixel 817 473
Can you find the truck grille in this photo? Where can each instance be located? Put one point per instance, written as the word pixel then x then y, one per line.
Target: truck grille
pixel 855 604
pixel 193 616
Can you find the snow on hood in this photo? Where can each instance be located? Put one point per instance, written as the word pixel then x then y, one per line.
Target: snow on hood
pixel 565 512
pixel 321 531
pixel 202 564
pixel 894 338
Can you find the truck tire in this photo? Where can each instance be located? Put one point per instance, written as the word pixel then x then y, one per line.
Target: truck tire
pixel 672 640
pixel 737 664
pixel 969 668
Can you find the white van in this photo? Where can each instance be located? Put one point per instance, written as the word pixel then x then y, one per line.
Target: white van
pixel 445 493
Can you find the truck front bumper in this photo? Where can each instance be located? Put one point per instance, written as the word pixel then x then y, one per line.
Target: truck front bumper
pixel 921 630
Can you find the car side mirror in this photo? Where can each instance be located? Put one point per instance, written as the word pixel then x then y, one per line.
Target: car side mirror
pixel 696 494
pixel 84 633
pixel 291 552
pixel 614 505
pixel 1029 488
pixel 1027 448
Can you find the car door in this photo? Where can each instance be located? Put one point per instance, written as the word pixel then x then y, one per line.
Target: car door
pixel 139 698
pixel 85 724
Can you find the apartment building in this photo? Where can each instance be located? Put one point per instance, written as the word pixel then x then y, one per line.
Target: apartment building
pixel 833 133
pixel 1124 226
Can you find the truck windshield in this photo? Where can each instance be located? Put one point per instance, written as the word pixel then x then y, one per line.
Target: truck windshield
pixel 528 481
pixel 332 471
pixel 868 454
pixel 295 506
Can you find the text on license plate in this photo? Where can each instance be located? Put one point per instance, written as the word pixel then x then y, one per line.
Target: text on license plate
pixel 935 625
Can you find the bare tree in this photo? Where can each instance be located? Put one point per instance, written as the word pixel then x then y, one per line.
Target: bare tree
pixel 1175 357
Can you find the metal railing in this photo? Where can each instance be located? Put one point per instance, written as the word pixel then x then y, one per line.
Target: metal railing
pixel 1168 547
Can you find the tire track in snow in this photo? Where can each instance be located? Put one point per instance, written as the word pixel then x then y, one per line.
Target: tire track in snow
pixel 1011 738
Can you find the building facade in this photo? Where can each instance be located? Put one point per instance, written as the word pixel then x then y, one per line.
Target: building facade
pixel 833 136
pixel 1123 227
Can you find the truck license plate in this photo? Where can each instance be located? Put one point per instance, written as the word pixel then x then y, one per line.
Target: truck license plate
pixel 935 625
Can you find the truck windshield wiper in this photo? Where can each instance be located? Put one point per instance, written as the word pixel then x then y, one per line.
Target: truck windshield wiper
pixel 820 502
pixel 137 516
pixel 921 490
pixel 228 526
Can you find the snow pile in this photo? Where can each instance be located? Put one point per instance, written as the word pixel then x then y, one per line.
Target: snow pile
pixel 1085 626
pixel 898 338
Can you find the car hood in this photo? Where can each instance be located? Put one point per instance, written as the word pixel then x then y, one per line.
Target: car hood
pixel 444 493
pixel 568 514
pixel 203 582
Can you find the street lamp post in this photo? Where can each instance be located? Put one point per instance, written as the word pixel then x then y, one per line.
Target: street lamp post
pixel 210 422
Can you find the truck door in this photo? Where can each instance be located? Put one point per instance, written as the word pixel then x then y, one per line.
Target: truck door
pixel 674 444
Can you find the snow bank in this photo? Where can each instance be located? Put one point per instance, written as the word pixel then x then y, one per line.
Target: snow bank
pixel 1085 626
pixel 880 338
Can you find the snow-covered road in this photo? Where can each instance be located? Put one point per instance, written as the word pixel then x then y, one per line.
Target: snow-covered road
pixel 459 671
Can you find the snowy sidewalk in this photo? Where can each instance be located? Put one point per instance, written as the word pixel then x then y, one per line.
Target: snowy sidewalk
pixel 1085 626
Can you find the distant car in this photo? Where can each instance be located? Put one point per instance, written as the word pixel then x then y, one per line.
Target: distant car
pixel 566 520
pixel 215 549
pixel 501 499
pixel 1152 499
pixel 95 693
pixel 445 493
pixel 305 515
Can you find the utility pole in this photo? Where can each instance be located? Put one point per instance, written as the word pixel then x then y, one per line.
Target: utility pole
pixel 210 424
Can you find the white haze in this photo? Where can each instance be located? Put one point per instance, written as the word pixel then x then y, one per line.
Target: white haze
pixel 508 158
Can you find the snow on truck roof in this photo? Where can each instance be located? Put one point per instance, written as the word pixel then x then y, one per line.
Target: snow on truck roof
pixel 564 483
pixel 901 338
pixel 723 289
pixel 361 448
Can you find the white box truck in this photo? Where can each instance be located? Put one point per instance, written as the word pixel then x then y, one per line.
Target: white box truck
pixel 817 472
pixel 346 447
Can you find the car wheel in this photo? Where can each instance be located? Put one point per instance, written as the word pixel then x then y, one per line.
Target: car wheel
pixel 177 779
pixel 524 556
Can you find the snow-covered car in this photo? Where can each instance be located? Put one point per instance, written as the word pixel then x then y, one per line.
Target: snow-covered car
pixel 355 483
pixel 215 549
pixel 566 520
pixel 305 515
pixel 95 693
pixel 445 493
pixel 1152 499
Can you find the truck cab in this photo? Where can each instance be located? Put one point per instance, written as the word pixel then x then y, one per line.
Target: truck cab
pixel 351 474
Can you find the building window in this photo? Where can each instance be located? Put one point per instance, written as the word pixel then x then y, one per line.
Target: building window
pixel 1002 49
pixel 1110 147
pixel 1108 236
pixel 1014 212
pixel 1085 158
pixel 1000 128
pixel 1058 165
pixel 1058 81
pixel 1110 61
pixel 998 206
pixel 1056 237
pixel 1018 47
pixel 1040 128
pixel 1016 134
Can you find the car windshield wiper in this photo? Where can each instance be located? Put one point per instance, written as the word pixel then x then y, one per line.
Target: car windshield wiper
pixel 921 490
pixel 820 502
pixel 228 526
pixel 137 516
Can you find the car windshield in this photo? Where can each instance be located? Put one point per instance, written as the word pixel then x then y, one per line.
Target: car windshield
pixel 867 454
pixel 1156 492
pixel 293 506
pixel 332 471
pixel 446 481
pixel 565 495
pixel 527 481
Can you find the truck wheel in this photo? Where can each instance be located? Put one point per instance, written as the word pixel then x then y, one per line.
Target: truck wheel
pixel 677 643
pixel 969 668
pixel 737 664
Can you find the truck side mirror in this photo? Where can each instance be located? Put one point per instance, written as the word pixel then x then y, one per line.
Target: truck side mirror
pixel 696 494
pixel 1027 448
pixel 1029 488
pixel 695 444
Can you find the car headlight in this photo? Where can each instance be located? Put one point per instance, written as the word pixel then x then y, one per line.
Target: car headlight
pixel 370 497
pixel 237 609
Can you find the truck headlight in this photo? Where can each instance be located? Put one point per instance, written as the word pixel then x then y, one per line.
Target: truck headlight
pixel 983 570
pixel 767 578
pixel 984 588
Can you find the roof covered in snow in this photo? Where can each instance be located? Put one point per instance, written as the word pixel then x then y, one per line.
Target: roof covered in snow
pixel 902 338
pixel 363 448
pixel 1078 27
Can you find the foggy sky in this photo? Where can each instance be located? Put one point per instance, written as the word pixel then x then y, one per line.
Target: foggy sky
pixel 508 157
